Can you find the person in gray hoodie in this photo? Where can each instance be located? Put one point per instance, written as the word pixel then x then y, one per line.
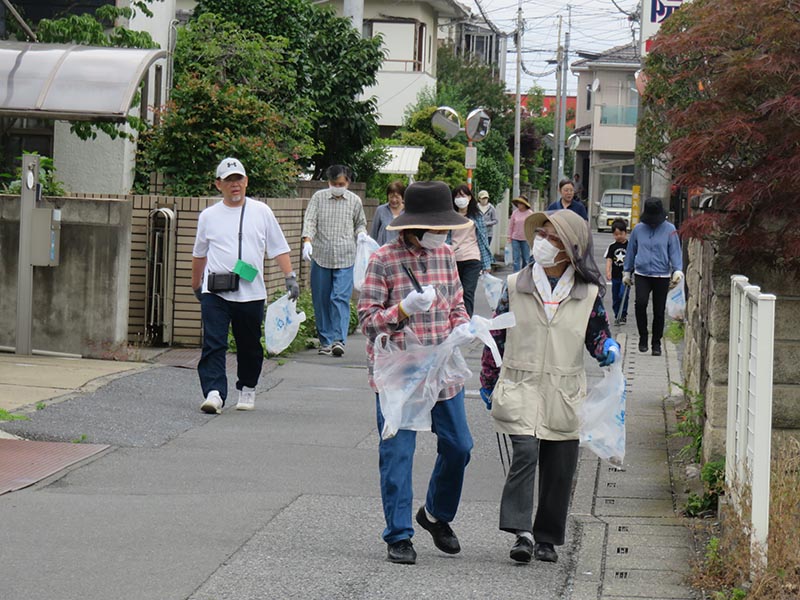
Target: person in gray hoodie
pixel 654 257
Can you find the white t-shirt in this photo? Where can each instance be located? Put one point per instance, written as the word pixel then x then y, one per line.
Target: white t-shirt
pixel 218 241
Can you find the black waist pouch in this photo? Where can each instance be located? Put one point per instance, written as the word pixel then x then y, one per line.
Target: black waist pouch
pixel 223 282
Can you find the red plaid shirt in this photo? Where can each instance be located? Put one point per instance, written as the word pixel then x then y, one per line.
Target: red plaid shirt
pixel 386 284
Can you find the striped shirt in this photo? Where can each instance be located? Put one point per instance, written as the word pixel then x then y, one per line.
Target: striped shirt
pixel 386 284
pixel 332 225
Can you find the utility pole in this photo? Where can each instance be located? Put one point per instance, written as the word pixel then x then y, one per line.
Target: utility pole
pixel 518 105
pixel 354 9
pixel 562 112
pixel 557 141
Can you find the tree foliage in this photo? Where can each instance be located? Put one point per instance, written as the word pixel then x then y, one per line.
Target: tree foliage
pixel 233 96
pixel 723 105
pixel 333 66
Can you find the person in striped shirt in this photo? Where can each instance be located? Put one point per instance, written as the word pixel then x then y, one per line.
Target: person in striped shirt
pixel 389 303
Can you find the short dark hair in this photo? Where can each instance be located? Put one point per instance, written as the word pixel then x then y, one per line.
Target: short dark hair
pixel 564 182
pixel 336 171
pixel 619 225
pixel 396 187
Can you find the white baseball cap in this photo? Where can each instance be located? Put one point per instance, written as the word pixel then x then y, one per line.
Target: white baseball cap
pixel 230 166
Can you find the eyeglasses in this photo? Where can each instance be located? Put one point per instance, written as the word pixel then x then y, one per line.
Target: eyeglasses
pixel 543 233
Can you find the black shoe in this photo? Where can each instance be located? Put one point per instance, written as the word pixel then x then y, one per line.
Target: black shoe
pixel 337 349
pixel 642 347
pixel 545 552
pixel 656 350
pixel 402 553
pixel 522 550
pixel 443 537
pixel 623 319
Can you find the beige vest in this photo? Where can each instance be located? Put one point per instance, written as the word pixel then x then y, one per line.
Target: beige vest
pixel 542 382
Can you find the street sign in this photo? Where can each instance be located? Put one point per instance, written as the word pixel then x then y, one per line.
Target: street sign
pixel 635 205
pixel 471 157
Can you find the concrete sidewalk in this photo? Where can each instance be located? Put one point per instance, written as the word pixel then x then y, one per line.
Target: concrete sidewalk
pixel 283 502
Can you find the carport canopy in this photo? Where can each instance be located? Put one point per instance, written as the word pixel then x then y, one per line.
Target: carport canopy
pixel 403 160
pixel 74 83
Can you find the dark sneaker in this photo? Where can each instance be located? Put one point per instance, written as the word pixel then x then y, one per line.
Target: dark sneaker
pixel 522 550
pixel 337 349
pixel 325 350
pixel 656 350
pixel 402 553
pixel 545 552
pixel 642 347
pixel 616 322
pixel 443 537
pixel 623 319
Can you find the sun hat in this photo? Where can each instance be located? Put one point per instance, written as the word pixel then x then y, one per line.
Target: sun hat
pixel 521 200
pixel 429 205
pixel 483 194
pixel 230 166
pixel 653 213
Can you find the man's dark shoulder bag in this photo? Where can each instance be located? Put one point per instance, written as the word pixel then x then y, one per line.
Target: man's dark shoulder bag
pixel 228 282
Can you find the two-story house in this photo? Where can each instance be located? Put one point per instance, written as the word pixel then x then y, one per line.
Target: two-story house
pixel 605 119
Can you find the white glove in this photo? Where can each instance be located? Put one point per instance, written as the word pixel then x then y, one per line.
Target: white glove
pixel 417 302
pixel 362 235
pixel 677 277
pixel 626 279
pixel 307 249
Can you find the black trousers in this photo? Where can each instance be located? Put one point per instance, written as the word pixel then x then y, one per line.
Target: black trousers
pixel 468 272
pixel 659 287
pixel 557 462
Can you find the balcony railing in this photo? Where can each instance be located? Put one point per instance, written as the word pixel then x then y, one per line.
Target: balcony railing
pixel 624 116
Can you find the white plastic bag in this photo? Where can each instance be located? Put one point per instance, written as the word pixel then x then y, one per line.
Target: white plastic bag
pixel 409 380
pixel 281 324
pixel 508 255
pixel 602 416
pixel 676 302
pixel 364 249
pixel 493 286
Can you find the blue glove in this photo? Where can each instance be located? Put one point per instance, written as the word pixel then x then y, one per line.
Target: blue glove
pixel 610 353
pixel 486 396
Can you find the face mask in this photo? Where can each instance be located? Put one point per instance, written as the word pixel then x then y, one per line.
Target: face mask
pixel 338 192
pixel 545 252
pixel 462 201
pixel 431 240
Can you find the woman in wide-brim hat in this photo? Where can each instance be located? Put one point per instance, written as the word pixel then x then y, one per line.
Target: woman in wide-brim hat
pixel 520 249
pixel 535 396
pixel 390 304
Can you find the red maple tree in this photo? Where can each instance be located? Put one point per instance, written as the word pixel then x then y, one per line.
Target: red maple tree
pixel 722 110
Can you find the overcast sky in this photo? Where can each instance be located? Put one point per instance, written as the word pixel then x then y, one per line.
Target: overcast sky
pixel 596 25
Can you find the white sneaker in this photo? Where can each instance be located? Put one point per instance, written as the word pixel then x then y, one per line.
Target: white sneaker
pixel 212 404
pixel 247 399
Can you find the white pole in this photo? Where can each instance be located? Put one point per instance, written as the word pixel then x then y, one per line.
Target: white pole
pixel 517 107
pixel 354 9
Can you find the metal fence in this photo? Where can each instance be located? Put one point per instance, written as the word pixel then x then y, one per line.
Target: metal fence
pixel 749 430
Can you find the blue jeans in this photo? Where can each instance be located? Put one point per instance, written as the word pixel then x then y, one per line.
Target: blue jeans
pixel 245 319
pixel 617 292
pixel 468 272
pixel 521 252
pixel 453 446
pixel 330 293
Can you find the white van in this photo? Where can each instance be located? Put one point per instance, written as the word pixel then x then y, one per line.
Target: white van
pixel 614 204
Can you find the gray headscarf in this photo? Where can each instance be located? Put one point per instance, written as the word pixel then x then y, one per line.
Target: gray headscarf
pixel 577 238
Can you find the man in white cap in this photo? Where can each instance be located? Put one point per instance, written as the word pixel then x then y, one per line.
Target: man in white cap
pixel 228 280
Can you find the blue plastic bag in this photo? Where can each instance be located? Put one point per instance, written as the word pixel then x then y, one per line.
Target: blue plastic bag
pixel 676 302
pixel 281 324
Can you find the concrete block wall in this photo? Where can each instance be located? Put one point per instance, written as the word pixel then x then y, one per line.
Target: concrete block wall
pixel 705 364
pixel 80 306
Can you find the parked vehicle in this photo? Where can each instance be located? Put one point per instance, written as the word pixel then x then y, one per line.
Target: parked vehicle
pixel 614 204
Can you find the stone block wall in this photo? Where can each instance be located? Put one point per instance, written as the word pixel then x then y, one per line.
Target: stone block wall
pixel 705 363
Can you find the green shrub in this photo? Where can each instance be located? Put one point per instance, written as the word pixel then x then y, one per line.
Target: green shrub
pixel 675 332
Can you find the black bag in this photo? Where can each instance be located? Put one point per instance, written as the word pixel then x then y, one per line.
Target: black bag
pixel 223 282
pixel 228 282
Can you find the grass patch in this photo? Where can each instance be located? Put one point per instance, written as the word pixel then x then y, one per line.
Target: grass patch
pixel 7 416
pixel 675 331
pixel 724 570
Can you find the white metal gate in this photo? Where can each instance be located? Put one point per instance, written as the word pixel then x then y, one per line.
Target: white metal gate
pixel 160 276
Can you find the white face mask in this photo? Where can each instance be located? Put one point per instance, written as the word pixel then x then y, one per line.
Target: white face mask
pixel 544 252
pixel 338 192
pixel 462 201
pixel 432 240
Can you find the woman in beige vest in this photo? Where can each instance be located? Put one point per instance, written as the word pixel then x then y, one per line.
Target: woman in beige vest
pixel 535 396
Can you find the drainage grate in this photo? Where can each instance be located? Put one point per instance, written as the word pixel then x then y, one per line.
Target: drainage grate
pixel 622 550
pixel 620 575
pixel 622 528
pixel 611 484
pixel 609 500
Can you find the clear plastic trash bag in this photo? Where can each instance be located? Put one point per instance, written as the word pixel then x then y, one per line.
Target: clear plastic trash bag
pixel 602 416
pixel 493 287
pixel 281 324
pixel 508 255
pixel 364 249
pixel 676 302
pixel 409 380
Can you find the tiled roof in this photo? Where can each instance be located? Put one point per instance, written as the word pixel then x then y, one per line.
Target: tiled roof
pixel 623 55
